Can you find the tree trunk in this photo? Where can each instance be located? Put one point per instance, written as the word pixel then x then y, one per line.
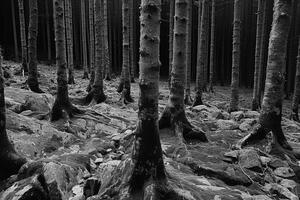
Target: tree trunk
pixel 106 47
pixel 234 100
pixel 201 52
pixel 96 95
pixel 212 46
pixel 124 86
pixel 62 102
pixel 92 44
pixel 110 42
pixel 147 156
pixel 271 113
pixel 48 31
pixel 296 96
pixel 23 35
pixel 69 29
pixel 258 49
pixel 132 43
pixel 32 80
pixel 9 159
pixel 14 30
pixel 174 114
pixel 171 32
pixel 188 99
pixel 84 47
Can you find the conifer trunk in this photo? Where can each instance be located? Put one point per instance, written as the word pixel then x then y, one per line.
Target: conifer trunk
pixel 14 30
pixel 69 29
pixel 171 34
pixel 23 35
pixel 48 31
pixel 62 102
pixel 296 96
pixel 32 80
pixel 258 49
pixel 106 47
pixel 212 46
pixel 84 45
pixel 132 43
pixel 92 43
pixel 234 100
pixel 201 52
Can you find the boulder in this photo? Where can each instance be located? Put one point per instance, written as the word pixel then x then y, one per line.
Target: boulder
pixel 284 172
pixel 237 116
pixel 250 159
pixel 227 124
pixel 251 114
pixel 280 191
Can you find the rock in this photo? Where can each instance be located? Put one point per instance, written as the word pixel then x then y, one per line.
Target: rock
pixel 250 159
pixel 276 163
pixel 251 114
pixel 284 172
pixel 237 116
pixel 232 154
pixel 91 187
pixel 289 184
pixel 280 191
pixel 38 102
pixel 265 160
pixel 105 170
pixel 227 124
pixel 99 160
pixel 247 124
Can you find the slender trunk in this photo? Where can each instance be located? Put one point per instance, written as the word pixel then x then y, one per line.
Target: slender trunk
pixel 110 41
pixel 32 80
pixel 258 49
pixel 201 52
pixel 92 43
pixel 14 30
pixel 84 47
pixel 234 100
pixel 106 47
pixel 132 43
pixel 212 46
pixel 171 32
pixel 62 102
pixel 48 31
pixel 296 96
pixel 9 159
pixel 187 99
pixel 69 29
pixel 206 52
pixel 23 35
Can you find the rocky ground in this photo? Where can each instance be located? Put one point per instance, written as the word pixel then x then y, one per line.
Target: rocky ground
pixel 76 159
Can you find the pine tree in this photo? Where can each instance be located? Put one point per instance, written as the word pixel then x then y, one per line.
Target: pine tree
pixel 62 102
pixel 174 114
pixel 48 31
pixel 92 43
pixel 14 30
pixel 132 43
pixel 9 159
pixel 212 46
pixel 106 47
pixel 234 100
pixel 171 32
pixel 69 29
pixel 32 80
pixel 23 35
pixel 84 47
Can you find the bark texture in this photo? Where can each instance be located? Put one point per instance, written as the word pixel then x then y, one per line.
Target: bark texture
pixel 69 34
pixel 14 30
pixel 234 100
pixel 171 37
pixel 212 46
pixel 105 40
pixel 23 35
pixel 84 45
pixel 48 31
pixel 92 43
pixel 32 80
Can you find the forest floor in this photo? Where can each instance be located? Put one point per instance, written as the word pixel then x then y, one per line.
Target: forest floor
pixel 77 158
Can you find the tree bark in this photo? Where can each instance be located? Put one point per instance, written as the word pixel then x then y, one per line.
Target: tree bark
pixel 171 32
pixel 92 43
pixel 32 80
pixel 234 100
pixel 201 52
pixel 132 43
pixel 212 46
pixel 258 49
pixel 174 114
pixel 23 35
pixel 84 47
pixel 62 102
pixel 110 42
pixel 106 47
pixel 9 159
pixel 14 30
pixel 48 32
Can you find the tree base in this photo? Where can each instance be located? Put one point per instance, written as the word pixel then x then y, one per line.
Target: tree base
pixel 211 88
pixel 120 87
pixel 107 77
pixel 294 115
pixel 71 81
pixel 255 105
pixel 34 86
pixel 198 101
pixel 59 110
pixel 132 80
pixel 177 121
pixel 188 100
pixel 95 97
pixel 126 98
pixel 85 75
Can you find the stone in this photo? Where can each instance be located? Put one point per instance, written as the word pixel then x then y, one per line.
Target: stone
pixel 237 116
pixel 284 172
pixel 276 163
pixel 265 160
pixel 289 184
pixel 38 102
pixel 232 154
pixel 280 191
pixel 250 159
pixel 99 160
pixel 247 124
pixel 227 124
pixel 251 114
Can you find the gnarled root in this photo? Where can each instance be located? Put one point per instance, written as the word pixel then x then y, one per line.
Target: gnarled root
pixel 59 109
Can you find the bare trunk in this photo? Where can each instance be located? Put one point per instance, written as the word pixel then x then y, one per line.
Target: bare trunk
pixel 92 43
pixel 48 31
pixel 132 43
pixel 171 32
pixel 23 35
pixel 84 47
pixel 212 46
pixel 14 30
pixel 106 47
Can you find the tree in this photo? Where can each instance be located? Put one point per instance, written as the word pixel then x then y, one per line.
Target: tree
pixel 62 102
pixel 32 80
pixel 212 46
pixel 48 31
pixel 83 33
pixel 188 99
pixel 132 40
pixel 23 35
pixel 171 31
pixel 14 30
pixel 201 52
pixel 105 40
pixel 258 49
pixel 92 43
pixel 296 96
pixel 271 112
pixel 10 160
pixel 69 29
pixel 124 85
pixel 174 114
pixel 234 100
pixel 96 95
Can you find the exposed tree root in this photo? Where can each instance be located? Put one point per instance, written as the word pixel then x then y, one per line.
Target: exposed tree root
pixel 188 100
pixel 177 121
pixel 95 96
pixel 60 109
pixel 34 87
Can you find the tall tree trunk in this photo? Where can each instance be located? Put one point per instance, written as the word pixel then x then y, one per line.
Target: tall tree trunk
pixel 69 29
pixel 234 100
pixel 212 46
pixel 201 52
pixel 23 35
pixel 106 47
pixel 188 99
pixel 206 52
pixel 258 49
pixel 147 157
pixel 14 30
pixel 9 159
pixel 92 43
pixel 271 113
pixel 125 79
pixel 62 102
pixel 171 32
pixel 174 114
pixel 296 96
pixel 132 43
pixel 84 47
pixel 96 95
pixel 32 80
pixel 48 32
pixel 110 41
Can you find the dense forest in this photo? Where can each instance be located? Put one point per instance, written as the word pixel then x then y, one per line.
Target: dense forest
pixel 149 99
